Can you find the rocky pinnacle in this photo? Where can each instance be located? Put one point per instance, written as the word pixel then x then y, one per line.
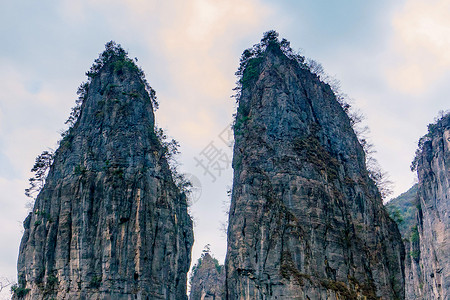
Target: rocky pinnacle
pixel 306 221
pixel 110 223
pixel 432 245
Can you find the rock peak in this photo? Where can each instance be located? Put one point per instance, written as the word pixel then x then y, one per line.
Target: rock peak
pixel 110 222
pixel 305 218
pixel 428 262
pixel 207 279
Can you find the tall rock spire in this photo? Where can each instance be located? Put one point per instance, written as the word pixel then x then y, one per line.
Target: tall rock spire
pixel 306 221
pixel 207 279
pixel 110 223
pixel 430 261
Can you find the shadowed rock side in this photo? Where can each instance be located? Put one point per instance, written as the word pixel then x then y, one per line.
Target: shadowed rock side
pixel 403 209
pixel 433 169
pixel 413 269
pixel 110 223
pixel 208 280
pixel 306 221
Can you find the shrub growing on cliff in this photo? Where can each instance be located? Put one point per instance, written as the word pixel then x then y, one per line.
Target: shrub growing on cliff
pixel 19 291
pixel 396 215
pixel 40 169
pixel 432 129
pixel 169 152
pixel 249 69
pixel 252 57
pixel 197 266
pixel 118 57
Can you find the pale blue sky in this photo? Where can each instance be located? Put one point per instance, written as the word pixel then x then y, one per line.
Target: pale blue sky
pixel 392 59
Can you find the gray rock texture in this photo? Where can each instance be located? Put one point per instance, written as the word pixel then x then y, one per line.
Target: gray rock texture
pixel 306 221
pixel 110 223
pixel 404 210
pixel 433 169
pixel 413 269
pixel 208 280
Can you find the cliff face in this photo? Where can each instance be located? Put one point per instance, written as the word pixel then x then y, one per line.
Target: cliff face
pixel 109 223
pixel 208 280
pixel 306 221
pixel 404 210
pixel 433 169
pixel 413 269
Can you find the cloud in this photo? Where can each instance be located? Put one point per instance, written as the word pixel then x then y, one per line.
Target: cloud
pixel 191 47
pixel 421 41
pixel 200 41
pixel 13 202
pixel 30 124
pixel 199 37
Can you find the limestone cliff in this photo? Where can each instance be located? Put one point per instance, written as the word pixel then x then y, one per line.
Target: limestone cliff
pixel 433 169
pixel 404 210
pixel 413 267
pixel 208 279
pixel 110 223
pixel 306 221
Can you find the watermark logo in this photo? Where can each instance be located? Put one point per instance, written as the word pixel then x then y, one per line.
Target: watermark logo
pixel 213 159
pixel 196 187
pixel 227 137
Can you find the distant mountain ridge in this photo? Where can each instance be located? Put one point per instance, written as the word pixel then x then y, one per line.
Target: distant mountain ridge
pixel 403 210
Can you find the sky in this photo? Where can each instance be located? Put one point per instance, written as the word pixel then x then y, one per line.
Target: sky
pixel 391 58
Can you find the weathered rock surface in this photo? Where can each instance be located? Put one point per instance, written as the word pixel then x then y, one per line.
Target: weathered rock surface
pixel 110 223
pixel 433 169
pixel 208 280
pixel 306 221
pixel 413 269
pixel 404 210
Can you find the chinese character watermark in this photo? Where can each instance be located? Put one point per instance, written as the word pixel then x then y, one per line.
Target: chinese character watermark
pixel 215 159
pixel 195 191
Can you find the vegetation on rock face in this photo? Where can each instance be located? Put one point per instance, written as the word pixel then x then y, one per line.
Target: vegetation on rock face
pixel 207 280
pixel 403 209
pixel 115 57
pixel 247 74
pixel 40 169
pixel 19 291
pixel 252 57
pixel 432 129
pixel 170 151
pixel 206 251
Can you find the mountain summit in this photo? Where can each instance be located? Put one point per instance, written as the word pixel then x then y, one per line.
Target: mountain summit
pixel 306 220
pixel 110 222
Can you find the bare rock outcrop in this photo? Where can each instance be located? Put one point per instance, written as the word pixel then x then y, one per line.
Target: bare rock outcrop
pixel 110 222
pixel 433 230
pixel 306 220
pixel 208 279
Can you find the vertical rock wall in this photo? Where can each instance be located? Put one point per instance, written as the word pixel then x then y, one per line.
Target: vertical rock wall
pixel 110 222
pixel 433 169
pixel 306 221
